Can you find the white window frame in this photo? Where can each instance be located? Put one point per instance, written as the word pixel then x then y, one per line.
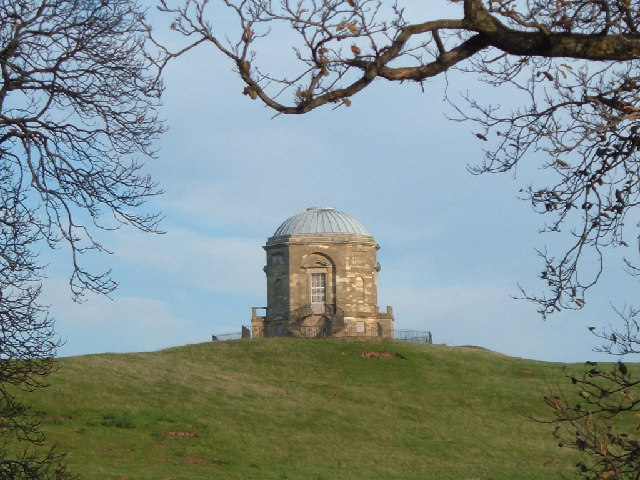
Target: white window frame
pixel 318 293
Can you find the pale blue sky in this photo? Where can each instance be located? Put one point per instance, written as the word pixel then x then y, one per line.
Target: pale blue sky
pixel 453 246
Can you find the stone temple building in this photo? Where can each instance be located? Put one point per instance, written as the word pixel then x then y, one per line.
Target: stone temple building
pixel 322 275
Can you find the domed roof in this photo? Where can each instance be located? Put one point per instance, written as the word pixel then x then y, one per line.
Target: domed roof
pixel 317 220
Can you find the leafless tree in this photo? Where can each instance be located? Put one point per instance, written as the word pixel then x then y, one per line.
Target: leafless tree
pixel 27 338
pixel 77 103
pixel 77 99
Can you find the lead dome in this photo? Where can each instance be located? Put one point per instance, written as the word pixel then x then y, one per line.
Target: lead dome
pixel 320 220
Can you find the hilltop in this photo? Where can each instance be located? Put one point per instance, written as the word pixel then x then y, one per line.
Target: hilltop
pixel 303 409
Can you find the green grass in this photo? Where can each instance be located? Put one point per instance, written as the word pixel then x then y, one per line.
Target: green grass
pixel 303 409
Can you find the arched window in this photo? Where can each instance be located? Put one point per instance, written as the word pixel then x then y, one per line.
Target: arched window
pixel 360 289
pixel 277 291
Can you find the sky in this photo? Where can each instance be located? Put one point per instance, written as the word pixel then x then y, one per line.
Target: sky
pixel 454 246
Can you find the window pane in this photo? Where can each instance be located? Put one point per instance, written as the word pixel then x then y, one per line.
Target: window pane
pixel 318 281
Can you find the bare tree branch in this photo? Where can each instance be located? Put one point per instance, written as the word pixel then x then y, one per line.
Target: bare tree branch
pixel 78 98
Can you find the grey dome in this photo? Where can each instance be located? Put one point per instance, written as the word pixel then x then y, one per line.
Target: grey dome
pixel 320 220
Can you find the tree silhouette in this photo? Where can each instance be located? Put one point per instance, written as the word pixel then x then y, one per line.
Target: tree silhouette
pixel 77 100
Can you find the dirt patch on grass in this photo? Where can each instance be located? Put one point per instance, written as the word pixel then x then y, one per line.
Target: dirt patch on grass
pixel 180 434
pixel 384 355
pixel 198 460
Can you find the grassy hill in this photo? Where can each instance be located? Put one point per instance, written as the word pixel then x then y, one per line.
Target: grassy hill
pixel 296 409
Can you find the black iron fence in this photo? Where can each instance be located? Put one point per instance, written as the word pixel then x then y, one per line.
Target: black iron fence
pixel 245 333
pixel 413 336
pixel 324 330
pixel 226 336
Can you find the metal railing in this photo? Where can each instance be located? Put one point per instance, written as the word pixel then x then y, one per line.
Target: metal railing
pixel 412 336
pixel 245 333
pixel 300 313
pixel 226 336
pixel 332 325
pixel 332 322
